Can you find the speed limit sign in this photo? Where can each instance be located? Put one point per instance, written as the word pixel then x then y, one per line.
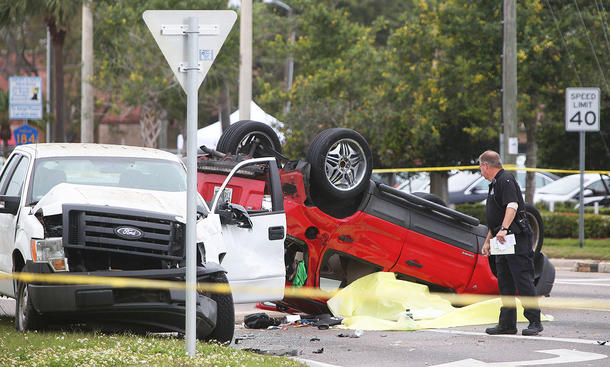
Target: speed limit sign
pixel 582 109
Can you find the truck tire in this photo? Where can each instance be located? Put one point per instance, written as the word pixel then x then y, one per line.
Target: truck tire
pixel 250 138
pixel 341 163
pixel 26 317
pixel 535 220
pixel 225 312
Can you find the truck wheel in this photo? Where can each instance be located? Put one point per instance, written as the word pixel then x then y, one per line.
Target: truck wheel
pixel 225 313
pixel 250 138
pixel 341 163
pixel 26 317
pixel 533 215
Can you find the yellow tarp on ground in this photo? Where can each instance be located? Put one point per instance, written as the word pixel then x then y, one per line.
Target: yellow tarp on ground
pixel 379 302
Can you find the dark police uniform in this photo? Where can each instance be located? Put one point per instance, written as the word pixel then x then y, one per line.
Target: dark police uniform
pixel 515 272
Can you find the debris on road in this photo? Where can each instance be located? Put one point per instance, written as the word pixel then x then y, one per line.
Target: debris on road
pixel 319 351
pixel 260 320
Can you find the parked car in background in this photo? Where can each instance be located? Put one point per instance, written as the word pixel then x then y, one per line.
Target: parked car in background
pixel 596 188
pixel 471 187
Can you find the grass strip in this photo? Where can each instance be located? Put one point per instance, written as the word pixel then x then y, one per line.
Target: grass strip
pixel 569 248
pixel 77 348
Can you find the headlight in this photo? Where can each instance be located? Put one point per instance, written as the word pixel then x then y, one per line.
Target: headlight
pixel 50 251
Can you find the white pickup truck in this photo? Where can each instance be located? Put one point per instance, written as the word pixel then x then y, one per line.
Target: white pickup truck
pixel 119 211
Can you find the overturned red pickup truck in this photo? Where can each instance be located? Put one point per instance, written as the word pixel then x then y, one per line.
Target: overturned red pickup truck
pixel 341 225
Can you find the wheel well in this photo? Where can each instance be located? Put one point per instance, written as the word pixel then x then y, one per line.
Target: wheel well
pixel 18 262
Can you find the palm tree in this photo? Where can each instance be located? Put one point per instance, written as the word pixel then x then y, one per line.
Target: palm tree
pixel 57 15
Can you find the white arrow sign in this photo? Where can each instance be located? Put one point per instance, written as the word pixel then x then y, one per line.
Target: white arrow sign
pixel 169 28
pixel 563 356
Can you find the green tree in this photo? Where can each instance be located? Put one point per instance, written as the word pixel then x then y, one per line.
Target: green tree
pixel 58 15
pixel 132 73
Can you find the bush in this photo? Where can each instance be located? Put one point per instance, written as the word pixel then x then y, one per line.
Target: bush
pixel 474 210
pixel 557 224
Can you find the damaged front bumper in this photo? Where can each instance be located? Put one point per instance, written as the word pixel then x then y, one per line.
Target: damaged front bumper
pixel 126 308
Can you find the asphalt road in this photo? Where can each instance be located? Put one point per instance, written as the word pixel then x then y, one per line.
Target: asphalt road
pixel 573 339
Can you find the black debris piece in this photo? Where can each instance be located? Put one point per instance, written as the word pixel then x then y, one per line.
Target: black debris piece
pixel 314 339
pixel 274 352
pixel 259 320
pixel 602 342
pixel 319 351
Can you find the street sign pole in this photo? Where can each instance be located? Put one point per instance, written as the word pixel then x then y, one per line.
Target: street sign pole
pixel 205 31
pixel 192 88
pixel 582 115
pixel 581 210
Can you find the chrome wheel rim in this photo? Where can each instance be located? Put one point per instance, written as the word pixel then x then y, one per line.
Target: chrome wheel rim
pixel 345 164
pixel 253 141
pixel 535 228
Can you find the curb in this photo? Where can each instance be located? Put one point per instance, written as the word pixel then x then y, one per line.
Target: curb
pixel 592 267
pixel 581 265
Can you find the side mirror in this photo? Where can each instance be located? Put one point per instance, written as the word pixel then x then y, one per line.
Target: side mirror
pixel 588 192
pixel 230 213
pixel 9 204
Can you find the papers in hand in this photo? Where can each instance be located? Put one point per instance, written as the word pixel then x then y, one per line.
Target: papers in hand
pixel 506 248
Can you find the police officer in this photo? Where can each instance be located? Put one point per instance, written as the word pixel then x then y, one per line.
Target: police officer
pixel 505 211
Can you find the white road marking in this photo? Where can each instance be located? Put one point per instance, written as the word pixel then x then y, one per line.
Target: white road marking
pixel 538 337
pixel 578 283
pixel 311 363
pixel 563 356
pixel 583 279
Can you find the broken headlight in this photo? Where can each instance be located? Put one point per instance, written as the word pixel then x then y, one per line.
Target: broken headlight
pixel 50 251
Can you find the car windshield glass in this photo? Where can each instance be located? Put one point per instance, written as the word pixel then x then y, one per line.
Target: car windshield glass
pixel 135 173
pixel 562 186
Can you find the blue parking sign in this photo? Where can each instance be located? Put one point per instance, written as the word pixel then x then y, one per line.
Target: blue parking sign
pixel 25 135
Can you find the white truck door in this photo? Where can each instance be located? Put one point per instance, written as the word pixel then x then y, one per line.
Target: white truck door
pixel 11 187
pixel 253 236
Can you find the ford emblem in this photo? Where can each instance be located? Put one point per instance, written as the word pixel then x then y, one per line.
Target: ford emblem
pixel 128 233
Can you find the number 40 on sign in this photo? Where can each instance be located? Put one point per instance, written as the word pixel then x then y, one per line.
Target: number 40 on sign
pixel 582 109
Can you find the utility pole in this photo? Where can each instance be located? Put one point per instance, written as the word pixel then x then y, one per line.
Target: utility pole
pixel 509 82
pixel 86 100
pixel 245 60
pixel 49 87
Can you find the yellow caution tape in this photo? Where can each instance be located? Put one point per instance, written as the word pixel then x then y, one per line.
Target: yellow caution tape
pixel 508 167
pixel 303 292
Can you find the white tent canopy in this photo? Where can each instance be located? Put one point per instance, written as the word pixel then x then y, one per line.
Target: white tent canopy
pixel 210 134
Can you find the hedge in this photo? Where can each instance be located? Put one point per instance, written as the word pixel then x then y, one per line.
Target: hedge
pixel 556 224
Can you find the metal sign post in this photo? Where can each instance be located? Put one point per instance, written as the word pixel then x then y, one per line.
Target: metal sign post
pixel 205 32
pixel 582 115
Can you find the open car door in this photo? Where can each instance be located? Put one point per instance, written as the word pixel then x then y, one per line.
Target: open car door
pixel 253 235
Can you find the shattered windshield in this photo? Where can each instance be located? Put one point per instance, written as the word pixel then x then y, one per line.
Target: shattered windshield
pixel 135 173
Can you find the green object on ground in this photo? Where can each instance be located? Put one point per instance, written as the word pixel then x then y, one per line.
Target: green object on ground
pixel 301 276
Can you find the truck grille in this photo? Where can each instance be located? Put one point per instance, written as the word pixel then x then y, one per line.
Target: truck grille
pixel 123 231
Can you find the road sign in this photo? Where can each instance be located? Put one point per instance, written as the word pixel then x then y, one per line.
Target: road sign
pixel 169 27
pixel 25 98
pixel 190 40
pixel 582 109
pixel 25 135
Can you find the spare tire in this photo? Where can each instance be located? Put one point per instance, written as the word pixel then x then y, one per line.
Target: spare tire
pixel 341 163
pixel 535 219
pixel 251 138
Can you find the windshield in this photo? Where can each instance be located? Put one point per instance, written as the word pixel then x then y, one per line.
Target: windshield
pixel 135 173
pixel 563 186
